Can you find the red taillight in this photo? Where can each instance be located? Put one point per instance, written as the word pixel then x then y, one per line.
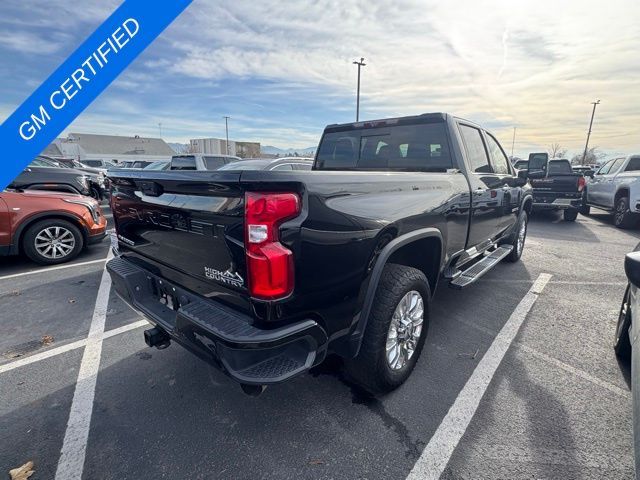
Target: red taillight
pixel 269 263
pixel 581 183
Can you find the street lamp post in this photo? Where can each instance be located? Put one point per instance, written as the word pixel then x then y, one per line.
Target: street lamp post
pixel 360 64
pixel 226 129
pixel 593 113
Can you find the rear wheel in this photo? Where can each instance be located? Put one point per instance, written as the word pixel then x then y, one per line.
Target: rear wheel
pixel 396 331
pixel 52 241
pixel 570 214
pixel 584 209
pixel 622 345
pixel 622 216
pixel 519 238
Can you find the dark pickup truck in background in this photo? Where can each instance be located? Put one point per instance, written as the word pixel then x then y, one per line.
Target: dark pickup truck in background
pixel 556 186
pixel 264 273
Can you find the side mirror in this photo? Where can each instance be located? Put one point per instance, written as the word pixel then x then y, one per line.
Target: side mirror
pixel 632 267
pixel 589 173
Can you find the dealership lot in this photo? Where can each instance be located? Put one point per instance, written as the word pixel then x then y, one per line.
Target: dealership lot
pixel 558 405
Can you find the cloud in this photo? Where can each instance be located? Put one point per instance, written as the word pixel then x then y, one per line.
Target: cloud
pixel 283 70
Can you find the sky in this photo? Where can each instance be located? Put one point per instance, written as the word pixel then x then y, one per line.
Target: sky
pixel 283 70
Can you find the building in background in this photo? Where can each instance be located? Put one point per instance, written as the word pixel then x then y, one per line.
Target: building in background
pixel 88 146
pixel 218 146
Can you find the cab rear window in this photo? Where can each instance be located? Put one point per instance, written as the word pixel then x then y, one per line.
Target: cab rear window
pixel 420 147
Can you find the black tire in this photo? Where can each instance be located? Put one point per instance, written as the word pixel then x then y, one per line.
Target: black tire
pixel 585 208
pixel 622 216
pixel 29 241
pixel 516 253
pixel 371 369
pixel 622 343
pixel 95 194
pixel 570 214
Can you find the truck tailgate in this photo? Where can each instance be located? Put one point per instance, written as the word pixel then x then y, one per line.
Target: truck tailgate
pixel 546 189
pixel 188 225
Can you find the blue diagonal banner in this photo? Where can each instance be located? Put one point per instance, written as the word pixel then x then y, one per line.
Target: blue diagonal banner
pixel 80 79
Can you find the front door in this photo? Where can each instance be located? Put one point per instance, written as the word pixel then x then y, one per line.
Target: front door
pixel 596 186
pixel 485 188
pixel 507 189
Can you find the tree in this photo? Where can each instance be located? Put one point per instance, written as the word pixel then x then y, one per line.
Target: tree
pixel 557 151
pixel 593 156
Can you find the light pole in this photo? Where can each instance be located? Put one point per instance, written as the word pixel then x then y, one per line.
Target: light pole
pixel 226 129
pixel 513 142
pixel 593 113
pixel 160 128
pixel 360 64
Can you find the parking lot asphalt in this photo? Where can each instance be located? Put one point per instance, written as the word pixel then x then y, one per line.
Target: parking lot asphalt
pixel 558 405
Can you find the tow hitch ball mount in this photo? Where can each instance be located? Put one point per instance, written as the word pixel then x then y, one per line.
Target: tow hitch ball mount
pixel 156 337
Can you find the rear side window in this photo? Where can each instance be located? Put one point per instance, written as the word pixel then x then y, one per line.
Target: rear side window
pixel 499 160
pixel 93 163
pixel 420 147
pixel 213 163
pixel 476 152
pixel 633 165
pixel 183 163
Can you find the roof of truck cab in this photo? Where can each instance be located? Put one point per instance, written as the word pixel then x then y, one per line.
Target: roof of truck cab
pixel 425 117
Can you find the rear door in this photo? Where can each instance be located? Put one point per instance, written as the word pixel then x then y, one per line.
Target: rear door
pixel 485 185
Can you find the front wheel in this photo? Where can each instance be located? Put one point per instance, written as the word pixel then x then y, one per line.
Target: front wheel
pixel 519 238
pixel 570 214
pixel 622 216
pixel 396 330
pixel 95 194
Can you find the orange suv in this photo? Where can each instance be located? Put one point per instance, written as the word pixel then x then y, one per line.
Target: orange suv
pixel 48 227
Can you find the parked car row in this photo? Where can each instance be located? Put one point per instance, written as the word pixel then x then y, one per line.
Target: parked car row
pixel 613 187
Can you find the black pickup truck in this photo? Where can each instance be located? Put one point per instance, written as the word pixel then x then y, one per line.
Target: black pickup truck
pixel 264 273
pixel 556 186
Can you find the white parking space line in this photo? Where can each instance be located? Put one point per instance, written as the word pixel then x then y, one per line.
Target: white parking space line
pixel 68 347
pixel 436 455
pixel 575 371
pixel 51 269
pixel 74 445
pixel 554 361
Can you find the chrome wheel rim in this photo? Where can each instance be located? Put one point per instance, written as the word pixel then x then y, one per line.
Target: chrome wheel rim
pixel 54 242
pixel 405 330
pixel 522 234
